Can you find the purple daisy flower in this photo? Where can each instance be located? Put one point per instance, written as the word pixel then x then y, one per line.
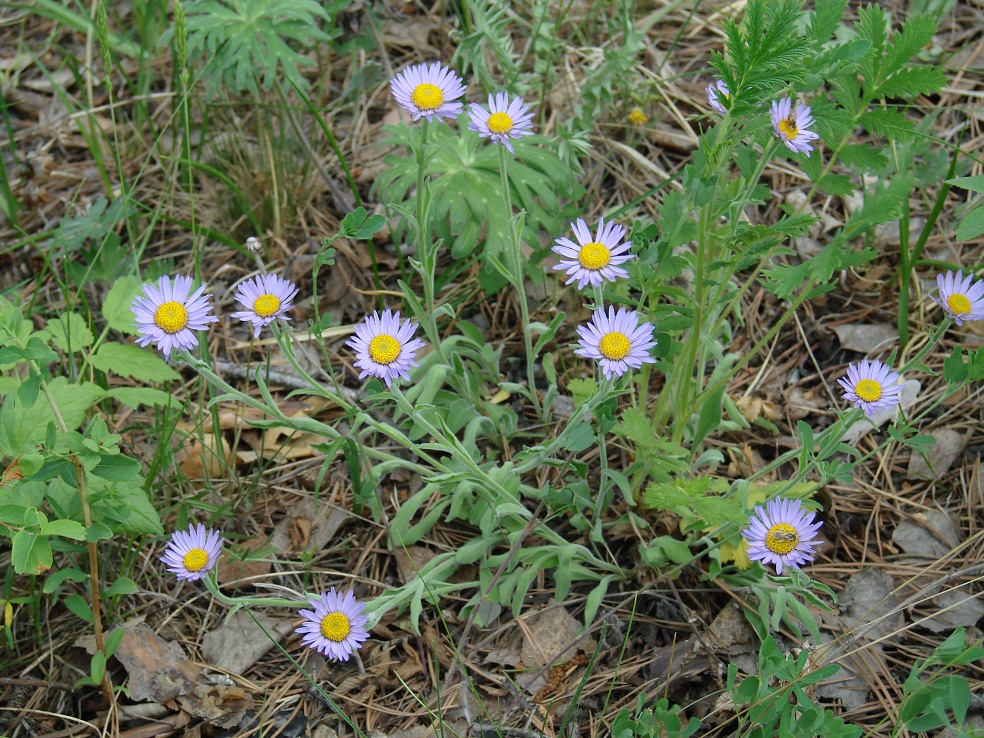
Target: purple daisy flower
pixel 960 298
pixel 168 315
pixel 715 91
pixel 593 260
pixel 872 386
pixel 193 552
pixel 384 348
pixel 428 91
pixel 793 127
pixel 616 341
pixel 266 298
pixel 503 120
pixel 782 534
pixel 336 627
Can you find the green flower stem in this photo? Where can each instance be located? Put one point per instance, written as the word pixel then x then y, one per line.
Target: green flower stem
pixel 422 216
pixel 427 253
pixel 519 273
pixel 493 491
pixel 770 334
pixel 212 584
pixel 605 385
pixel 309 425
pixel 683 372
pixel 847 419
pixel 283 340
pixel 558 442
pixel 453 446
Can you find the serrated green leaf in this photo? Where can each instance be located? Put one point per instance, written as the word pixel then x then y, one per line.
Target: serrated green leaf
pixel 974 184
pixel 912 81
pixel 116 308
pixel 837 184
pixel 69 332
pixel 887 123
pixel 142 518
pixel 863 157
pixel 126 360
pixel 971 226
pixel 20 428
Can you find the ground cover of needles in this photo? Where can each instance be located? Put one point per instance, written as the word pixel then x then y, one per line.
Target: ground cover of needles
pixel 491 369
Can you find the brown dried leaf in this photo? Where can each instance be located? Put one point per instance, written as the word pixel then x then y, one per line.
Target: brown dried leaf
pixel 157 668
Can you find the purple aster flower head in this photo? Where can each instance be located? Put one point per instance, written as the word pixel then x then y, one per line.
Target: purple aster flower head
pixel 384 348
pixel 336 627
pixel 503 120
pixel 193 552
pixel 782 533
pixel 616 341
pixel 428 91
pixel 168 315
pixel 715 91
pixel 871 386
pixel 960 298
pixel 792 127
pixel 593 260
pixel 266 298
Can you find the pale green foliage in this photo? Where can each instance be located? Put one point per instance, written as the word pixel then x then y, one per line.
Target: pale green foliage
pixel 488 33
pixel 246 39
pixel 972 224
pixel 467 207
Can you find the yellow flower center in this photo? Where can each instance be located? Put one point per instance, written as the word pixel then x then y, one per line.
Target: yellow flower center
pixel 958 304
pixel 171 317
pixel 195 559
pixel 594 255
pixel 427 96
pixel 335 627
pixel 384 349
pixel 782 538
pixel 266 305
pixel 500 123
pixel 788 126
pixel 868 390
pixel 614 345
pixel 637 117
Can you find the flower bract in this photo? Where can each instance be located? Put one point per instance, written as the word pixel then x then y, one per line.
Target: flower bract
pixel 428 91
pixel 503 120
pixel 871 386
pixel 168 315
pixel 616 341
pixel 384 347
pixel 592 260
pixel 960 298
pixel 266 298
pixel 193 552
pixel 715 91
pixel 336 627
pixel 792 127
pixel 782 534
